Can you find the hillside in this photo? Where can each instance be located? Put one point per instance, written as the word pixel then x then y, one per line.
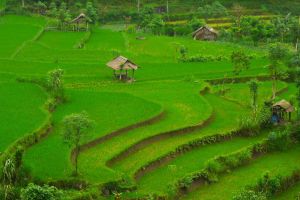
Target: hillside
pixel 101 111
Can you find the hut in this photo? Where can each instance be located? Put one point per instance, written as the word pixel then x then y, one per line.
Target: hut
pixel 80 22
pixel 281 111
pixel 121 66
pixel 205 33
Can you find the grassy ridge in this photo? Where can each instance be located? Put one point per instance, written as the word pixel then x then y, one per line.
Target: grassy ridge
pixel 176 107
pixel 127 110
pixel 21 110
pixel 229 184
pixel 190 162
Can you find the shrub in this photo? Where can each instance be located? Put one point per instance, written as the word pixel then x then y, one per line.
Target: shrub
pixel 264 116
pixel 186 182
pixel 269 185
pixel 213 166
pixel 248 126
pixel 36 192
pixel 244 156
pixel 201 58
pixel 279 140
pixel 125 184
pixel 249 195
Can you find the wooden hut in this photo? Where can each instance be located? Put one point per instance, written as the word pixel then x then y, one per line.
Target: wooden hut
pixel 205 33
pixel 121 66
pixel 80 22
pixel 281 111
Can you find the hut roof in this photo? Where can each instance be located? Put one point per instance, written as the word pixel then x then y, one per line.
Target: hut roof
pixel 121 62
pixel 205 27
pixel 79 17
pixel 285 105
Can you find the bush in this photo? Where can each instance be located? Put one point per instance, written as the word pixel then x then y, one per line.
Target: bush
pixel 249 195
pixel 279 140
pixel 269 185
pixel 125 184
pixel 213 166
pixel 36 192
pixel 200 58
pixel 248 126
pixel 186 182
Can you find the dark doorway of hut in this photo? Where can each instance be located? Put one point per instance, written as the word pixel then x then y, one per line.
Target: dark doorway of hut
pixel 123 69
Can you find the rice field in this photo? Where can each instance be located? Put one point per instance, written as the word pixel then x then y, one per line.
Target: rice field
pixel 171 104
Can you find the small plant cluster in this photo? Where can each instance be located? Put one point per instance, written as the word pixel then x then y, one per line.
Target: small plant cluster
pixel 201 58
pixel 268 186
pixel 125 184
pixel 256 121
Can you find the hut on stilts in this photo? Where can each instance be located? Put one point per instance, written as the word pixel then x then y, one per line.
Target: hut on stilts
pixel 121 66
pixel 282 111
pixel 81 22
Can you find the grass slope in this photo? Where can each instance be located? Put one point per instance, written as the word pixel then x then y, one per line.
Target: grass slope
pixel 229 184
pixel 21 110
pixel 43 158
pixel 180 111
pixel 226 115
pixel 158 180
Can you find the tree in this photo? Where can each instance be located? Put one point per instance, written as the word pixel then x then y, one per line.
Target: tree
pixel 53 9
pixel 253 86
pixel 145 16
pixel 216 9
pixel 36 192
pixel 277 56
pixel 76 126
pixel 63 15
pixel 240 61
pixel 156 24
pixel 282 26
pixel 91 12
pixel 298 90
pixel 41 7
pixel 238 11
pixel 196 23
pixel 55 83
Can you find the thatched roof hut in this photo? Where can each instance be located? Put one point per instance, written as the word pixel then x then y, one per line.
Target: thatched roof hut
pixel 282 110
pixel 285 105
pixel 80 19
pixel 205 33
pixel 122 65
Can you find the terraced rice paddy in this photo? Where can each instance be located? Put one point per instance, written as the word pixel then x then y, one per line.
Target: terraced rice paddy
pixel 276 163
pixel 170 105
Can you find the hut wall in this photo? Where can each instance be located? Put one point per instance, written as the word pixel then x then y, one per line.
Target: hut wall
pixel 205 35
